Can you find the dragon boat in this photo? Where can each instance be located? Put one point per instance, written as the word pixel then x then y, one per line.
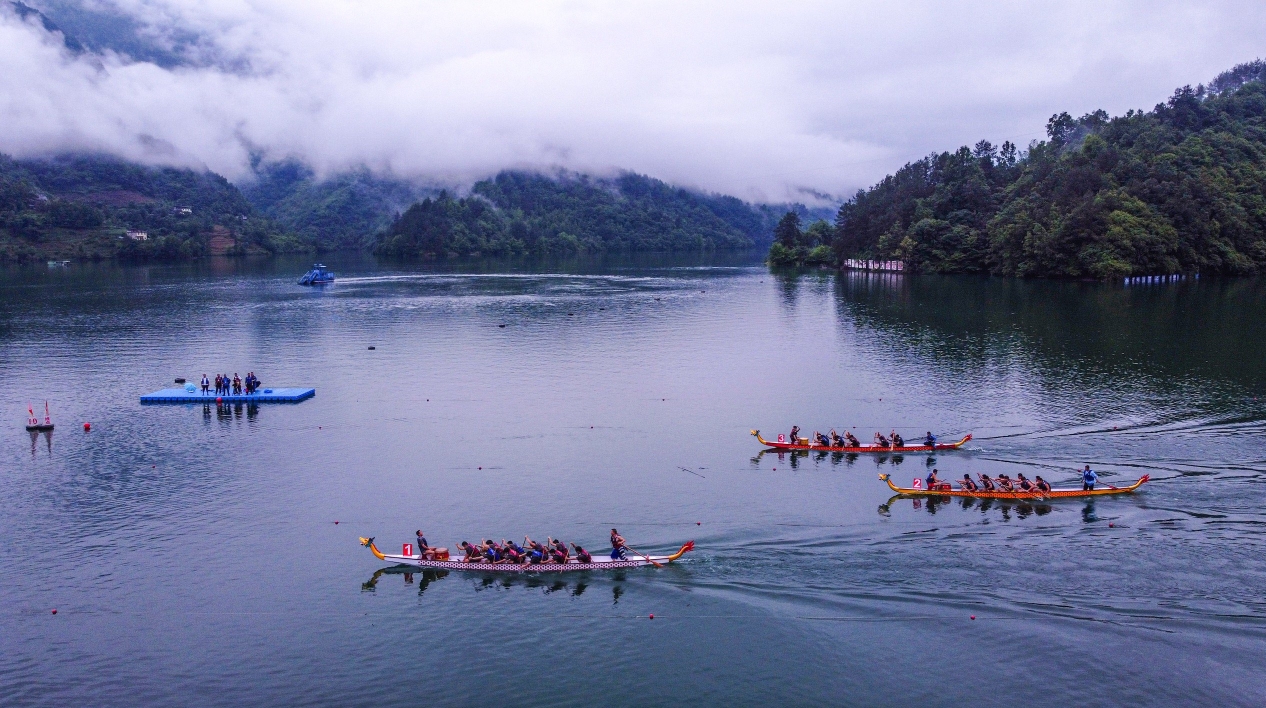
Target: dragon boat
pixel 444 562
pixel 782 444
pixel 944 490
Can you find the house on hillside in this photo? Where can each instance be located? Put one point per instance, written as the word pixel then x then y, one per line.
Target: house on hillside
pixel 138 235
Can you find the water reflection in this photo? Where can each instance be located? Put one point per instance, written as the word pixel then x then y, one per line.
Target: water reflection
pixel 1006 507
pixel 427 577
pixel 547 584
pixel 48 439
pixel 229 412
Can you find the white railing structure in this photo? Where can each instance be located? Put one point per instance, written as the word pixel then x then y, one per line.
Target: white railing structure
pixel 1159 279
pixel 881 266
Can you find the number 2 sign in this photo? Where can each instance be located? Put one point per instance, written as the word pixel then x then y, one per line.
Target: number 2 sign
pixel 918 483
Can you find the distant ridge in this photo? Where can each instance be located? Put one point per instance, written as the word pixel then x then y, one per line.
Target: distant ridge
pixel 1180 188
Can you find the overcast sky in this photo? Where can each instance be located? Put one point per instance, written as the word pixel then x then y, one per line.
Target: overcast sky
pixel 767 101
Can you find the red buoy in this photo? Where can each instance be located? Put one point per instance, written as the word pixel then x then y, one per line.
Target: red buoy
pixel 698 523
pixel 973 616
pixel 652 616
pixel 336 523
pixel 87 426
pixel 54 610
pixel 219 399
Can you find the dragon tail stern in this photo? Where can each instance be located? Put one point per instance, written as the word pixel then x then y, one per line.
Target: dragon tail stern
pixel 685 548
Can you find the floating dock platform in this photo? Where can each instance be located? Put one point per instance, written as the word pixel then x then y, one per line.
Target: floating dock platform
pixel 264 395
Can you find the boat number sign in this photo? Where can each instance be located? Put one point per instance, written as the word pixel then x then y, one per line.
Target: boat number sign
pixel 782 438
pixel 918 483
pixel 408 550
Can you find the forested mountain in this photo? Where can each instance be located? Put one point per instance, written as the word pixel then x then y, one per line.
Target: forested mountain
pixel 344 211
pixel 1181 188
pixel 82 206
pixel 521 212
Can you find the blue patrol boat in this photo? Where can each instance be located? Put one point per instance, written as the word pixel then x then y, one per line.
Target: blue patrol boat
pixel 317 276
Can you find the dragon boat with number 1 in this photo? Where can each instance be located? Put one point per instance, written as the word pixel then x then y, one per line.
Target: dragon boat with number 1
pixel 444 562
pixel 945 490
pixel 782 444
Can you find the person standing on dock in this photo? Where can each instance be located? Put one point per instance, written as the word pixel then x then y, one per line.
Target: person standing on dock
pixel 206 384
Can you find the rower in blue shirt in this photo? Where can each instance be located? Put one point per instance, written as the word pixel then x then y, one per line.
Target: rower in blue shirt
pixel 930 439
pixel 1088 479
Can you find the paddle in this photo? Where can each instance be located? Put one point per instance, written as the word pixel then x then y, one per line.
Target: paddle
pixel 657 565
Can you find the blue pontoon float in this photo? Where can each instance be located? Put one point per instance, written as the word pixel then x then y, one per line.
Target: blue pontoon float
pixel 263 395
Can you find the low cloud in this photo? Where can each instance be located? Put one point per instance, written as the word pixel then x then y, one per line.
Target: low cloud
pixel 766 101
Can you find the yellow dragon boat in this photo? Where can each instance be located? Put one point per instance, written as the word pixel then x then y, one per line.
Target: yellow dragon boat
pixel 944 490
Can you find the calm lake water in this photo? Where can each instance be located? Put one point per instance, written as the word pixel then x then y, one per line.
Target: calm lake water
pixel 193 557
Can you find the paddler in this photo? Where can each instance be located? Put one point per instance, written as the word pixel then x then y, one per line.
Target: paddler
pixel 1041 484
pixel 929 439
pixel 618 545
pixel 513 552
pixel 1004 483
pixel 986 483
pixel 558 551
pixel 852 439
pixel 536 551
pixel 1088 479
pixel 897 440
pixel 881 441
pixel 823 441
pixel 836 440
pixel 1023 483
pixel 581 554
pixel 967 484
pixel 472 552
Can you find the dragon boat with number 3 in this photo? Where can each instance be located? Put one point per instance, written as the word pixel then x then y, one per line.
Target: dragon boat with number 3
pixel 782 444
pixel 634 560
pixel 944 490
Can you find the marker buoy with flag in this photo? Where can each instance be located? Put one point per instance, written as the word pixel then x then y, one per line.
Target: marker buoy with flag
pixel 33 421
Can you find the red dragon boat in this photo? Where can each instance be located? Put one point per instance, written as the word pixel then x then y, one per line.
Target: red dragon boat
pixel 634 560
pixel 783 445
pixel 944 490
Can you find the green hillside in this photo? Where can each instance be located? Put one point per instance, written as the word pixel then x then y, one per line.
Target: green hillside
pixel 341 212
pixel 82 206
pixel 521 212
pixel 1180 188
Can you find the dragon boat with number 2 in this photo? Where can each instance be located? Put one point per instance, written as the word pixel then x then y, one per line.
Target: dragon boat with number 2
pixel 444 562
pixel 781 444
pixel 945 490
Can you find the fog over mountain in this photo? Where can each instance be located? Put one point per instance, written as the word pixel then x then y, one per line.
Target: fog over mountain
pixel 767 101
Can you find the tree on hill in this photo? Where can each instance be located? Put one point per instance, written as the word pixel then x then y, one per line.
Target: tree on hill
pixel 1181 188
